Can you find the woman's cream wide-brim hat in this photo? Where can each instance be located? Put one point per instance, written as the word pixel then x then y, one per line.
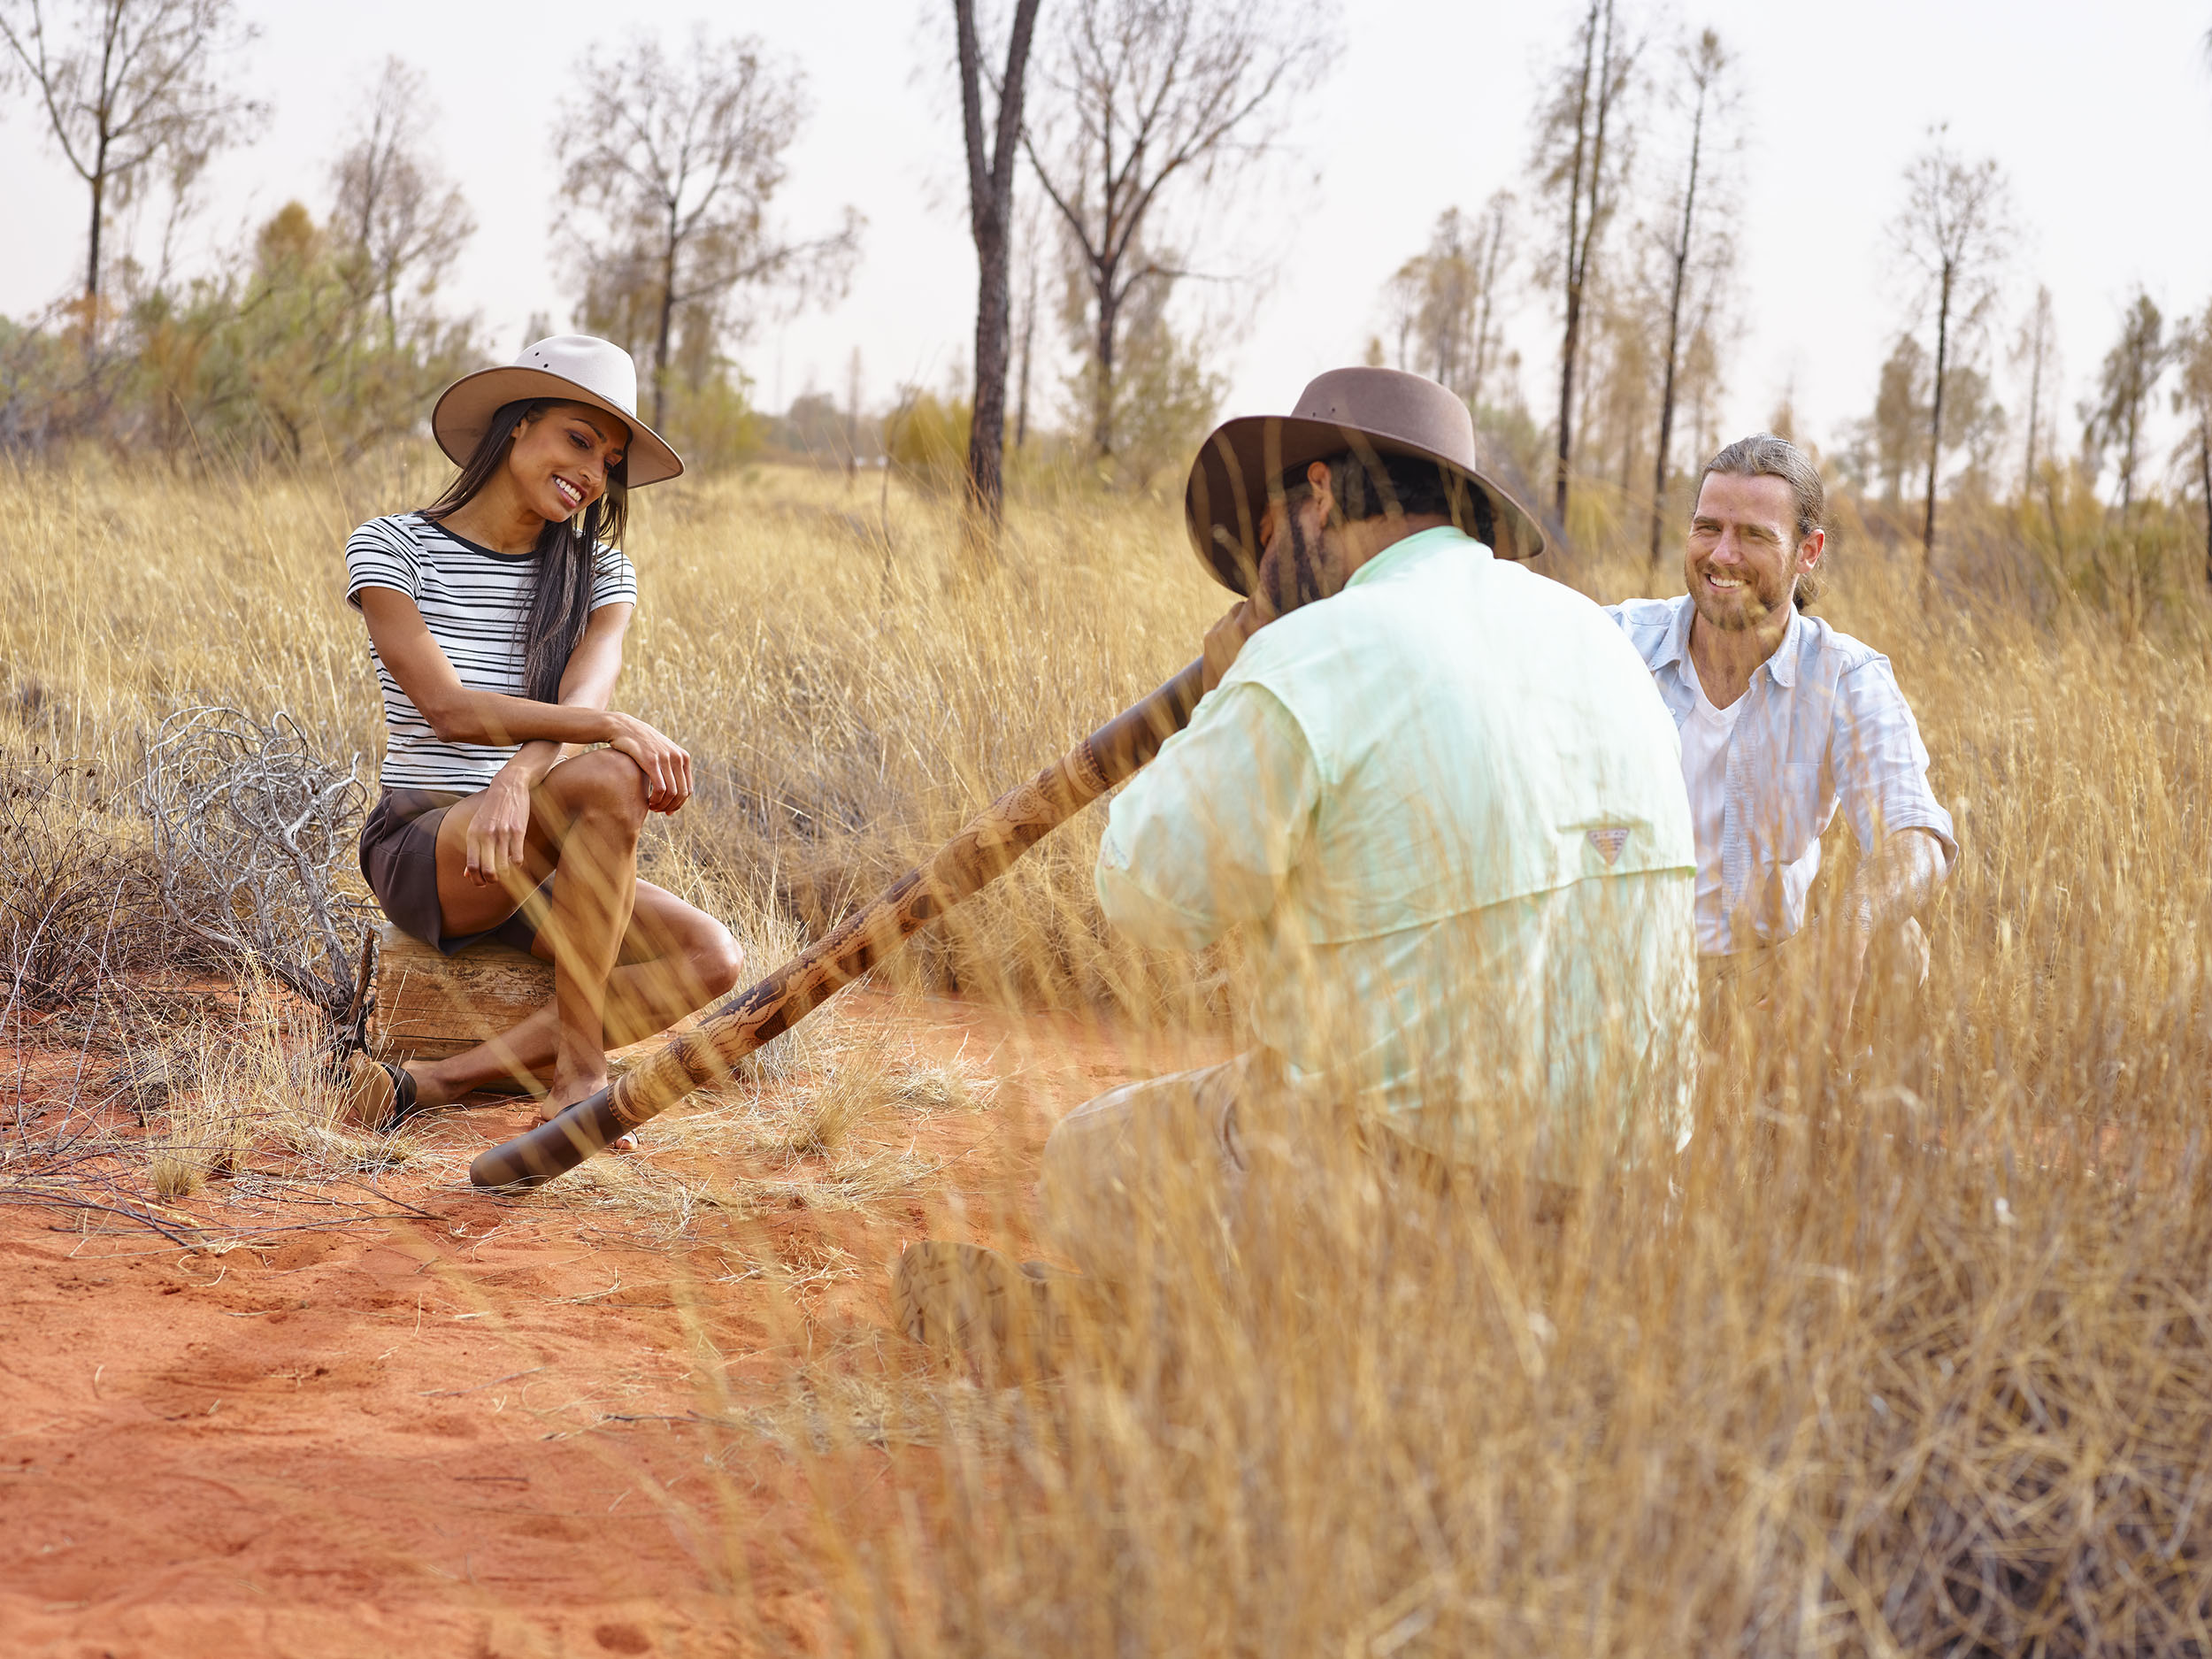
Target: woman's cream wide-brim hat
pixel 571 368
pixel 1371 412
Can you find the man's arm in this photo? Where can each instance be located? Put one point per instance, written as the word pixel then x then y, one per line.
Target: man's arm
pixel 1898 882
pixel 1890 888
pixel 1905 836
pixel 1202 839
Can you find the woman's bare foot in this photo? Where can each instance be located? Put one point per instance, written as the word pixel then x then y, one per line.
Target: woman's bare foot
pixel 432 1090
pixel 565 1095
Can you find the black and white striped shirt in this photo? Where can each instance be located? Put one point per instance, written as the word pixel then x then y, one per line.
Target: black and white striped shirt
pixel 475 601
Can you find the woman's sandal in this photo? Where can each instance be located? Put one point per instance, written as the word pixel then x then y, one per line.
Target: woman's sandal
pixel 379 1095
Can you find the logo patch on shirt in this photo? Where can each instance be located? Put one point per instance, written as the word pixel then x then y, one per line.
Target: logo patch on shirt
pixel 1609 842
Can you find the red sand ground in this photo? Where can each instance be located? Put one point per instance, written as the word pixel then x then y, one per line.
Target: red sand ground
pixel 409 1417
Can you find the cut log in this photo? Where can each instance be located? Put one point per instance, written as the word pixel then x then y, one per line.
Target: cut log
pixel 429 1006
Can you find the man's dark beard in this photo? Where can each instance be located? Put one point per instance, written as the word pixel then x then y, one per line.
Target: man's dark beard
pixel 1301 583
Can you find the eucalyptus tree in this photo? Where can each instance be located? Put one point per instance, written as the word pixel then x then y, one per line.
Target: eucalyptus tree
pixel 398 216
pixel 1581 166
pixel 1953 232
pixel 1145 111
pixel 991 165
pixel 1698 251
pixel 675 164
pixel 131 91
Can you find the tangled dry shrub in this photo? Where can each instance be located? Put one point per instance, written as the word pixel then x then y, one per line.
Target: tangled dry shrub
pixel 254 834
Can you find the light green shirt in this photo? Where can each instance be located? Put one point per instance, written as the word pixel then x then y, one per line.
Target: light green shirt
pixel 1447 804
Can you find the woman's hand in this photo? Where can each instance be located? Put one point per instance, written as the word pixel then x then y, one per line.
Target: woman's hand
pixel 667 768
pixel 499 830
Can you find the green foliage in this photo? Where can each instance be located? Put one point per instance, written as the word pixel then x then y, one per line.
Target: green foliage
pixel 1896 436
pixel 2114 420
pixel 926 437
pixel 1513 449
pixel 712 422
pixel 1164 400
pixel 41 390
pixel 291 349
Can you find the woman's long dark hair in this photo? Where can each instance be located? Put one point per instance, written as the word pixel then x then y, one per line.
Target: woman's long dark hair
pixel 568 550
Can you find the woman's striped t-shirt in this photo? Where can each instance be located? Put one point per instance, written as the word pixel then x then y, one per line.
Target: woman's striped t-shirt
pixel 475 601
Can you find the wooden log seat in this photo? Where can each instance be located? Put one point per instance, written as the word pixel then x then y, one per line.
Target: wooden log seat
pixel 429 1006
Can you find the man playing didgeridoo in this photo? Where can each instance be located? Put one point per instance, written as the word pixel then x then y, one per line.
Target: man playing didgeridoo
pixel 1444 801
pixel 1782 720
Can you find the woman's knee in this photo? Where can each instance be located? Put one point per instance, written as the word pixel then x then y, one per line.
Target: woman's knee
pixel 716 958
pixel 605 784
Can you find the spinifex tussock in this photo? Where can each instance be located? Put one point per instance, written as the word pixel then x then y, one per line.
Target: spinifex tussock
pixel 1907 1361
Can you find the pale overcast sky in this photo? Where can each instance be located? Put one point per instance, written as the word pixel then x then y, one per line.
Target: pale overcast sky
pixel 2101 116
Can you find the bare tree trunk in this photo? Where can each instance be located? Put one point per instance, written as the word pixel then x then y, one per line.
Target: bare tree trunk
pixel 990 214
pixel 2127 468
pixel 92 257
pixel 2204 475
pixel 2035 404
pixel 1029 338
pixel 1484 306
pixel 1103 417
pixel 1674 336
pixel 1628 448
pixel 986 431
pixel 99 179
pixel 2204 478
pixel 1935 432
pixel 1570 341
pixel 852 420
pixel 668 316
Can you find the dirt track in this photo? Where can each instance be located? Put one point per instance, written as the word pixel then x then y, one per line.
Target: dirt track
pixel 407 1418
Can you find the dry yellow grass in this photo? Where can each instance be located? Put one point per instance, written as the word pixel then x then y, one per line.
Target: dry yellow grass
pixel 1917 1362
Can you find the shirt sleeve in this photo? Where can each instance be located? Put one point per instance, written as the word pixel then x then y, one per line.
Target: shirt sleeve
pixel 380 555
pixel 1880 767
pixel 613 581
pixel 1202 839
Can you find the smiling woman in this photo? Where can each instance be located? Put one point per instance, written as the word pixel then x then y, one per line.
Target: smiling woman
pixel 496 617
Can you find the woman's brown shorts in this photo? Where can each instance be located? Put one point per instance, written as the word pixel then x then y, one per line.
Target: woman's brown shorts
pixel 399 860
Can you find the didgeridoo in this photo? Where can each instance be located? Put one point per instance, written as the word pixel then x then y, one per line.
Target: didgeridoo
pixel 970 861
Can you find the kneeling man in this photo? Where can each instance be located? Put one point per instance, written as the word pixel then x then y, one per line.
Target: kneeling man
pixel 1783 720
pixel 1440 796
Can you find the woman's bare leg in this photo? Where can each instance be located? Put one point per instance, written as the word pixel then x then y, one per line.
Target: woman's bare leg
pixel 585 819
pixel 598 825
pixel 675 960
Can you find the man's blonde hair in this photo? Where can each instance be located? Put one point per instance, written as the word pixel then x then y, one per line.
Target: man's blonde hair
pixel 1763 455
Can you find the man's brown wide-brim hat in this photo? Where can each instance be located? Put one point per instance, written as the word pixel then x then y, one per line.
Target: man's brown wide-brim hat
pixel 1371 412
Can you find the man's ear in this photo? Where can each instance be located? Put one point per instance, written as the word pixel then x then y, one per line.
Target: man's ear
pixel 1810 550
pixel 1323 491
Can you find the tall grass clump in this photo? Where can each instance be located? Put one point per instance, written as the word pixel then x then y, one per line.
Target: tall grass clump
pixel 1907 1356
pixel 849 692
